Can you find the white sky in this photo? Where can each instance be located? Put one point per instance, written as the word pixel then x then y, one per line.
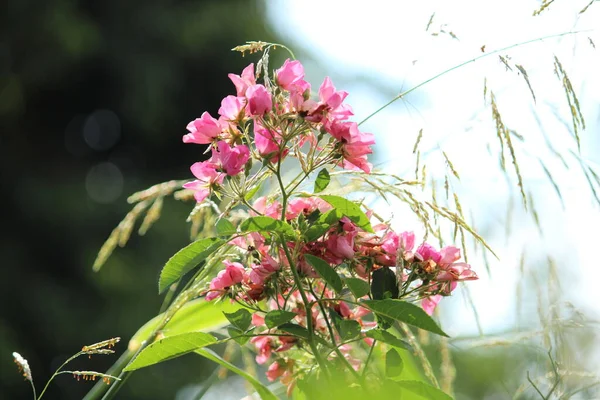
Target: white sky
pixel 377 49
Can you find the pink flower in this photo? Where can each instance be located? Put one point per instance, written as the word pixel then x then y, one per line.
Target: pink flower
pixel 267 267
pixel 259 100
pixel 268 208
pixel 208 178
pixel 428 252
pixel 267 142
pixel 232 108
pixel 231 275
pixel 306 206
pixel 275 370
pixel 329 96
pixel 454 273
pixel 449 254
pixel 244 81
pixel 291 76
pixel 258 320
pixel 203 130
pixel 429 303
pixel 330 104
pixel 264 348
pixel 355 144
pixel 342 245
pixel 231 160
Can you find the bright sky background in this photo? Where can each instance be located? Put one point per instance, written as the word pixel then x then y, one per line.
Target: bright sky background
pixel 377 49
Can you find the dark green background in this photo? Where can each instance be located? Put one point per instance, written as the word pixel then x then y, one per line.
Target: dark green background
pixel 156 65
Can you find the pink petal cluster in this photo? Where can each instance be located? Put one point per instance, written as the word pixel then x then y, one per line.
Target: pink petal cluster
pixel 207 179
pixel 225 279
pixel 259 100
pixel 225 160
pixel 203 130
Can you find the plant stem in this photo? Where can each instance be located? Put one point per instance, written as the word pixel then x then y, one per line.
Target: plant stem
pixel 333 341
pixel 100 388
pixel 401 95
pixel 308 308
pixel 364 372
pixel 56 373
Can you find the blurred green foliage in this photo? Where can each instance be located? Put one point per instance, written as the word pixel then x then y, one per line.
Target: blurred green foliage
pixel 156 65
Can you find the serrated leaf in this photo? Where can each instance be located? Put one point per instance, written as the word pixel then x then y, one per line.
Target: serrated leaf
pixel 170 347
pixel 350 210
pixel 424 390
pixel 322 180
pixel 402 311
pixel 187 259
pixel 277 317
pixel 262 390
pixel 225 227
pixel 393 364
pixel 240 319
pixel 358 287
pixel 348 328
pixel 267 225
pixel 384 284
pixel 325 271
pixel 386 337
pixel 323 223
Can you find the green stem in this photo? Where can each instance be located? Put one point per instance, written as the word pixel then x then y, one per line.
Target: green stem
pixel 333 341
pixel 56 373
pixel 169 296
pixel 283 47
pixel 100 388
pixel 364 372
pixel 401 95
pixel 308 308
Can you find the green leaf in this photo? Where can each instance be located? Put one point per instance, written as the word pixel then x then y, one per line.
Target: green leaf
pixel 187 259
pixel 322 180
pixel 238 335
pixel 253 191
pixel 240 319
pixel 384 284
pixel 267 225
pixel 358 287
pixel 295 330
pixel 262 390
pixel 170 347
pixel 350 210
pixel 197 315
pixel 386 337
pixel 424 390
pixel 322 224
pixel 325 271
pixel 393 364
pixel 225 227
pixel 348 328
pixel 404 312
pixel 278 317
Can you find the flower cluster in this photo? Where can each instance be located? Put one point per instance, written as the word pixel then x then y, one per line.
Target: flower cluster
pixel 263 272
pixel 299 271
pixel 272 120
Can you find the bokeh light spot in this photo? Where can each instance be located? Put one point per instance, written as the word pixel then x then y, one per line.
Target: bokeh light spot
pixel 102 129
pixel 104 183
